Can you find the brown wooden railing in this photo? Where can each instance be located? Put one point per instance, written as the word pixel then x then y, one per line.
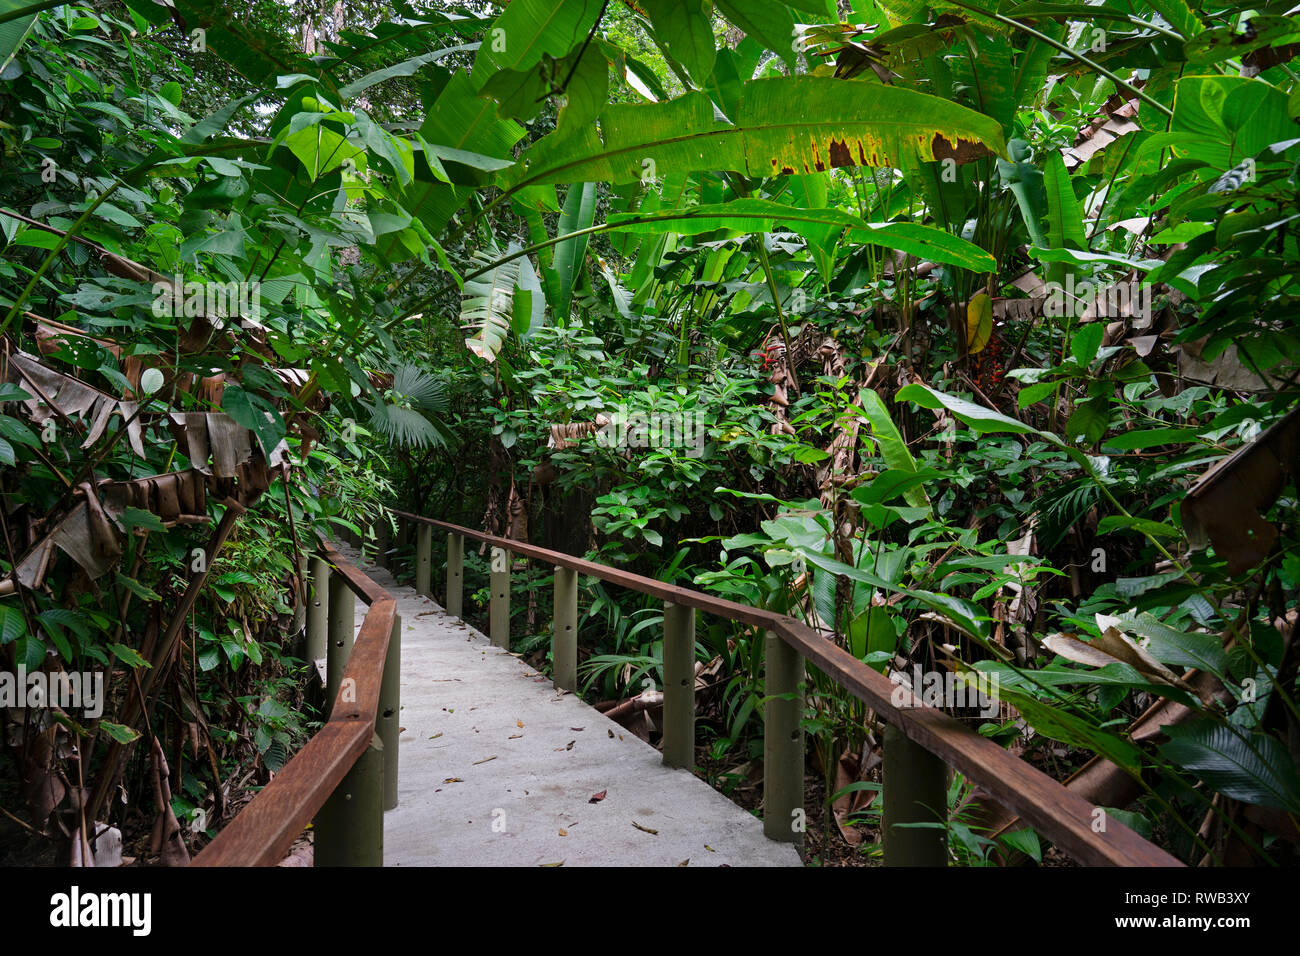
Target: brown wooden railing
pixel 339 777
pixel 345 776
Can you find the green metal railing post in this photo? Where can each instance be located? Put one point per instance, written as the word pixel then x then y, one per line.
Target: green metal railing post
pixel 455 573
pixel 318 609
pixel 679 685
pixel 423 549
pixel 383 541
pixel 916 791
pixel 783 815
pixel 350 826
pixel 500 609
pixel 564 639
pixel 340 631
pixel 388 722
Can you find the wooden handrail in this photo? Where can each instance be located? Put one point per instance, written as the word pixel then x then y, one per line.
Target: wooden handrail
pixel 1061 816
pixel 262 833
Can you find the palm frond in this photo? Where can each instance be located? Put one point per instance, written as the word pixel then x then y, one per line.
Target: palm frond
pixel 420 387
pixel 404 426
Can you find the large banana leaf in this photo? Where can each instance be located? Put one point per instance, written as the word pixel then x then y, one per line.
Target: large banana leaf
pixel 794 124
pixel 13 32
pixel 684 28
pixel 1064 222
pixel 529 30
pixel 459 120
pixel 578 214
pixel 487 307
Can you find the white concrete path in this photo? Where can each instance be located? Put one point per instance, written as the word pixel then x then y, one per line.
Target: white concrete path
pixel 498 769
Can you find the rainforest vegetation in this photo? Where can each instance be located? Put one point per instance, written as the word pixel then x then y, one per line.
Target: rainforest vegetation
pixel 964 331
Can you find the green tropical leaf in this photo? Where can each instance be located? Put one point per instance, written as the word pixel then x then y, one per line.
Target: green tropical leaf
pixel 1250 767
pixel 764 215
pixel 892 447
pixel 684 29
pixel 579 212
pixel 487 305
pixel 796 124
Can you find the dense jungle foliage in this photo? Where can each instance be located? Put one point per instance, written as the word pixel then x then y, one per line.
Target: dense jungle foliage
pixel 963 331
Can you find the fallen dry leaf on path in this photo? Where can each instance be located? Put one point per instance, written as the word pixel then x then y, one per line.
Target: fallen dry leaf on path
pixel 597 797
pixel 644 829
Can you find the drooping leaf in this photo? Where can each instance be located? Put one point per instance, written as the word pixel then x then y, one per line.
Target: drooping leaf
pixel 486 307
pixel 798 124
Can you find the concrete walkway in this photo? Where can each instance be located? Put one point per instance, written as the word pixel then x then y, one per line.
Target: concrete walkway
pixel 499 769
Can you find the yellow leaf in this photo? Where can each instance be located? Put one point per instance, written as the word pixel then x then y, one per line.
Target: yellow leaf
pixel 979 322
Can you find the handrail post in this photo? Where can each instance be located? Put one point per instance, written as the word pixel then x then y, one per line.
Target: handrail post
pixel 679 685
pixel 423 549
pixel 383 541
pixel 783 816
pixel 388 722
pixel 341 631
pixel 564 637
pixel 500 607
pixel 350 825
pixel 318 609
pixel 916 791
pixel 455 573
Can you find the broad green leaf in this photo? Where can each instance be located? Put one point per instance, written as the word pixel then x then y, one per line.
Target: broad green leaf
pixel 530 302
pixel 976 417
pixel 684 28
pixel 254 413
pixel 1064 221
pixel 529 30
pixel 1251 767
pixel 578 214
pixel 1150 437
pixel 1086 342
pixel 14 32
pixel 12 623
pixel 320 150
pixel 1230 118
pixel 797 124
pixel 892 447
pixel 767 21
pixel 1144 525
pixel 1054 721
